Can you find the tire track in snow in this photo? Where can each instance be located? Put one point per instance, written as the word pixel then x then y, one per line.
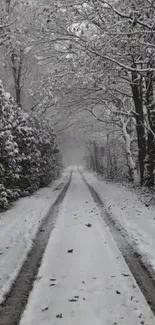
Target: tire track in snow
pixel 13 306
pixel 142 273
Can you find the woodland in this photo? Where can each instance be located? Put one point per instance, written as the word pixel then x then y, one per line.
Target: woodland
pixel 78 70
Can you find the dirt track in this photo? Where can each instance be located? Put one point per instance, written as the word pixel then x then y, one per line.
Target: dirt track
pixel 142 273
pixel 10 314
pixel 15 302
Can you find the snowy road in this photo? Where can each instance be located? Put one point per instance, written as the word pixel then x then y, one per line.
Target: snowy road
pixel 18 228
pixel 83 279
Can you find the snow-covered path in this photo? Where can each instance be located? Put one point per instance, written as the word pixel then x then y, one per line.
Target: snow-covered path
pixel 18 228
pixel 83 279
pixel 126 208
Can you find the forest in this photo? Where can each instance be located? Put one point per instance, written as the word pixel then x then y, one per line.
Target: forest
pixel 81 71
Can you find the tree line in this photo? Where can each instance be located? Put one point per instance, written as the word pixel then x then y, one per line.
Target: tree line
pixel 95 57
pixel 110 46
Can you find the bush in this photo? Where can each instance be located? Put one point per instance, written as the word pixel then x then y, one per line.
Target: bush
pixel 29 153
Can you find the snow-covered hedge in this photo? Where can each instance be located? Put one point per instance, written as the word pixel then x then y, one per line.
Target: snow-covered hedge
pixel 29 153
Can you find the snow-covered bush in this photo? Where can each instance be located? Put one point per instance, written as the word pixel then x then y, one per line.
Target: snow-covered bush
pixel 4 203
pixel 50 156
pixel 25 137
pixel 9 154
pixel 29 154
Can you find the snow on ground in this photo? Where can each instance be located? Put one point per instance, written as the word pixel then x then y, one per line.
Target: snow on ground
pixel 125 206
pixel 90 284
pixel 18 227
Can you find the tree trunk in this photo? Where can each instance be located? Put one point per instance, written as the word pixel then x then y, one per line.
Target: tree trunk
pixel 17 69
pixel 8 3
pixel 18 94
pixel 108 158
pixel 96 157
pixel 150 105
pixel 138 102
pixel 131 164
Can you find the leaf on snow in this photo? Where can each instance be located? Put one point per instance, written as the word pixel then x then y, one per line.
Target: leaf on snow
pixel 59 316
pixel 70 250
pixel 72 300
pixel 88 225
pixel 44 309
pixel 124 274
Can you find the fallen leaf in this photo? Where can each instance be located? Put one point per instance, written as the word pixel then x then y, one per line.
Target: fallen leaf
pixel 118 292
pixel 70 250
pixel 88 225
pixel 124 274
pixel 44 309
pixel 59 316
pixel 72 300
